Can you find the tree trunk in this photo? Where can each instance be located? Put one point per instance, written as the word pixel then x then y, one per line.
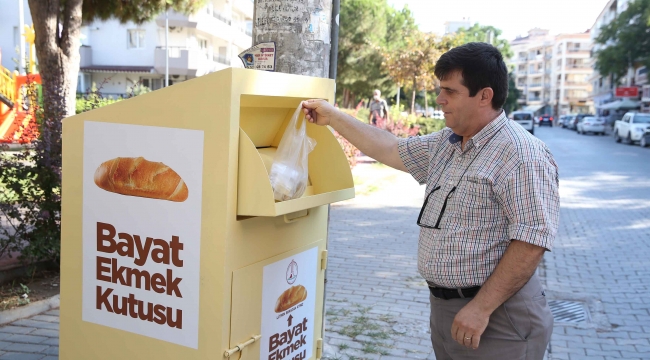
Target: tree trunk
pixel 57 53
pixel 426 104
pixel 301 31
pixel 413 96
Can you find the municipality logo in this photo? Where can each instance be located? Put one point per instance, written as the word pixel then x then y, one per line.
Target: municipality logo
pixel 292 272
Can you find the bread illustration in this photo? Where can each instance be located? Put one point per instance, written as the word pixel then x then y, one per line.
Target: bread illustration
pixel 290 297
pixel 140 177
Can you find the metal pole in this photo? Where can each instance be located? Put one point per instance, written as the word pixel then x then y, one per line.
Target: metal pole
pixel 166 48
pixel 334 50
pixel 21 30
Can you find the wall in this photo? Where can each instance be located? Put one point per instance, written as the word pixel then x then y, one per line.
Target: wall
pixel 8 26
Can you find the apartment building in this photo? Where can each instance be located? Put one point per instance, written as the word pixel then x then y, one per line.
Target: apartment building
pixel 118 56
pixel 572 71
pixel 533 71
pixel 604 94
pixel 552 72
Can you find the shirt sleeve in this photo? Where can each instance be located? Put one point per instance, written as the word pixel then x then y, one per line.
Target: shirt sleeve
pixel 415 153
pixel 531 202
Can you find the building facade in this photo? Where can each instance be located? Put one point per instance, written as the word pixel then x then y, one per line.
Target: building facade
pixel 115 57
pixel 604 95
pixel 552 72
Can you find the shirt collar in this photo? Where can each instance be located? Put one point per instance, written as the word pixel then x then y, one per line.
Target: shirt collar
pixel 486 133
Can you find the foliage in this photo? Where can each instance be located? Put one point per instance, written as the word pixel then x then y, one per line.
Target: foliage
pixel 488 34
pixel 626 40
pixel 365 26
pixel 414 64
pixel 138 11
pixel 513 95
pixel 30 186
pixel 30 193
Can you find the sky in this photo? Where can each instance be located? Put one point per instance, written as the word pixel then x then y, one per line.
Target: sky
pixel 514 17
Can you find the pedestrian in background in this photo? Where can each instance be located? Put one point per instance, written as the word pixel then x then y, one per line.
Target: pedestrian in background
pixel 490 212
pixel 378 109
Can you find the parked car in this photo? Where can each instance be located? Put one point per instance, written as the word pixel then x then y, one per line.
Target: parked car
pixel 573 125
pixel 568 119
pixel 591 124
pixel 645 139
pixel 546 119
pixel 631 127
pixel 525 119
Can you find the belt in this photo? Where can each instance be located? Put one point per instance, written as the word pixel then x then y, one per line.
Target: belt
pixel 444 293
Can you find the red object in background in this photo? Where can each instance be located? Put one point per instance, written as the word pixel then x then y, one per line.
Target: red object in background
pixel 631 91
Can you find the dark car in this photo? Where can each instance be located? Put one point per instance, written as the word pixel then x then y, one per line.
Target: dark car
pixel 576 120
pixel 546 119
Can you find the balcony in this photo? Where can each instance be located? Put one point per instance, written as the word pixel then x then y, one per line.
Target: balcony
pixel 571 67
pixel 535 85
pixel 242 39
pixel 183 61
pixel 215 24
pixel 534 98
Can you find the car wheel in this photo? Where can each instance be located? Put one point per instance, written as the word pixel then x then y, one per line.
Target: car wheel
pixel 643 142
pixel 629 139
pixel 616 137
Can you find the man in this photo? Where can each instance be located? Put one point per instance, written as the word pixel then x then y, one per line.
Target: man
pixel 378 108
pixel 491 210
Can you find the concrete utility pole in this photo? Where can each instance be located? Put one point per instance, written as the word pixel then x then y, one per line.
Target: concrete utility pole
pixel 301 30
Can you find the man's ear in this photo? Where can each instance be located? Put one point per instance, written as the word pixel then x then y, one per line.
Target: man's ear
pixel 487 95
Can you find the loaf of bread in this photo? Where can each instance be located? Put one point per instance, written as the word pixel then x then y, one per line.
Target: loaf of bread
pixel 140 177
pixel 291 297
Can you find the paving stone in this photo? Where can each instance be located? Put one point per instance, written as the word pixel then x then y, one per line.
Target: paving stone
pixel 27 348
pixel 28 339
pixel 21 356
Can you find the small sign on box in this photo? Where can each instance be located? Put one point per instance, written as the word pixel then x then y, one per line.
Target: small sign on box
pixel 259 57
pixel 631 91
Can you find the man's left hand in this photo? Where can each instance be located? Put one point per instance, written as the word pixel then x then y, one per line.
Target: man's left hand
pixel 469 324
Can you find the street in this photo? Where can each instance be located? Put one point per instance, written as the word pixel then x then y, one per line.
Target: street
pixel 377 304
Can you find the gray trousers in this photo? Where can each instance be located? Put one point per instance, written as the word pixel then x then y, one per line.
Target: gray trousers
pixel 519 329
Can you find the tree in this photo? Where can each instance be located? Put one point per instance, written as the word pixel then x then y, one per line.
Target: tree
pixel 626 40
pixel 366 27
pixel 414 65
pixel 513 95
pixel 487 34
pixel 57 24
pixel 30 180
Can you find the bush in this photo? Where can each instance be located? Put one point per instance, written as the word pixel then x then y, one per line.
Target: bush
pixel 30 184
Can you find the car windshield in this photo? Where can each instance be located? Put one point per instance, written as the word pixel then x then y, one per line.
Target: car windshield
pixel 589 119
pixel 642 119
pixel 522 117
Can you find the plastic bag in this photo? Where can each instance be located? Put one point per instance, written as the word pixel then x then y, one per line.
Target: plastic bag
pixel 289 172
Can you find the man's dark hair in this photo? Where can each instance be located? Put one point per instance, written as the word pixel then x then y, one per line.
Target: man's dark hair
pixel 481 66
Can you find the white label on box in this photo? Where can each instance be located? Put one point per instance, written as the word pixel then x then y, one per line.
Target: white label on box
pixel 142 229
pixel 289 306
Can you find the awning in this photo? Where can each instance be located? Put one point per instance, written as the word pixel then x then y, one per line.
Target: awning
pixel 620 104
pixel 533 108
pixel 117 69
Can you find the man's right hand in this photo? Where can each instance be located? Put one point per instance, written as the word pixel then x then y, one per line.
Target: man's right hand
pixel 319 112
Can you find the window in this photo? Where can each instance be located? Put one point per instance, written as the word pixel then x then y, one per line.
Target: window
pixel 136 39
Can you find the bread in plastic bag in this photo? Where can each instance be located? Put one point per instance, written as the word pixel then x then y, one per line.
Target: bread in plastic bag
pixel 289 172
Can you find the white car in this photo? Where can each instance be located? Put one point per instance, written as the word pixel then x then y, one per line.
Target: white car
pixel 631 127
pixel 591 124
pixel 524 118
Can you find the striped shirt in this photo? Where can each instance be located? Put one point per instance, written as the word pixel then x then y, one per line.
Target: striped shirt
pixel 507 188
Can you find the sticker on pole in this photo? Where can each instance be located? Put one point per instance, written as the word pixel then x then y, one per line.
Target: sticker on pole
pixel 288 307
pixel 259 57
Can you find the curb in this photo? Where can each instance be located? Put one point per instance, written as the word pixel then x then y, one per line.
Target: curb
pixel 32 309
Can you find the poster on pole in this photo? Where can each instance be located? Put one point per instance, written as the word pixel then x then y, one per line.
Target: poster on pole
pixel 259 57
pixel 289 307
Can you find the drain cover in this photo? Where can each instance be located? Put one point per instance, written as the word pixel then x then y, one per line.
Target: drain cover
pixel 568 311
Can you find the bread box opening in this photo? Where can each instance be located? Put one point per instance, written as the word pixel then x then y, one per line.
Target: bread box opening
pixel 262 122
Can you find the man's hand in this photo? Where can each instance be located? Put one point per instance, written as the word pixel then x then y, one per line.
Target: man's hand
pixel 319 112
pixel 469 324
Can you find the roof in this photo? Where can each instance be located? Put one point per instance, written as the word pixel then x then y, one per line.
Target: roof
pixel 620 104
pixel 113 69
